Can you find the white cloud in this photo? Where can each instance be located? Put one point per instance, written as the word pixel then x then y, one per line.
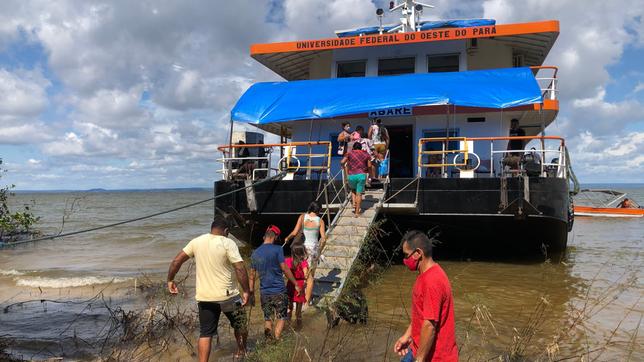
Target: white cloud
pixel 639 87
pixel 191 62
pixel 605 158
pixel 28 133
pixel 23 94
pixel 320 18
pixel 71 144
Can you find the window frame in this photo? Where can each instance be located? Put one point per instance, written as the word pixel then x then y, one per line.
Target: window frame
pixel 458 61
pixel 338 63
pixel 413 57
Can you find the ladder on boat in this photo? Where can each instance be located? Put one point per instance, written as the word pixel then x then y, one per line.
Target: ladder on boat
pixel 345 239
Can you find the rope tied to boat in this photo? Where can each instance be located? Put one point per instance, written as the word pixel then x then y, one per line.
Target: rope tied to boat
pixel 4 245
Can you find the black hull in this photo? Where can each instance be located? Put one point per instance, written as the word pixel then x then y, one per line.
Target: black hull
pixel 469 213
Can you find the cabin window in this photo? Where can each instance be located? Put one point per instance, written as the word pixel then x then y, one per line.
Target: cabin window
pixel 442 63
pixel 396 66
pixel 436 146
pixel 475 119
pixel 352 69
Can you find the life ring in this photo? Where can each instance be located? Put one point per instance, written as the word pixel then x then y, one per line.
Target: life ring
pixel 478 161
pixel 289 169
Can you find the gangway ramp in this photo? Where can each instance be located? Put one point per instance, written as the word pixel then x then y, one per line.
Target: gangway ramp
pixel 346 237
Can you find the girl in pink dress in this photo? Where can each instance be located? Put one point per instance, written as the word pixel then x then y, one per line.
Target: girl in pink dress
pixel 300 269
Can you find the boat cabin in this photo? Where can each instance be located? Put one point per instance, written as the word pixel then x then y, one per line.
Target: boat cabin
pixel 449 52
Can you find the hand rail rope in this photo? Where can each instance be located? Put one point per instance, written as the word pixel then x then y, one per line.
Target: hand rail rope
pixel 416 179
pixel 50 237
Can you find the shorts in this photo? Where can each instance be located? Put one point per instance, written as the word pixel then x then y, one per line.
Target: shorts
pixel 357 182
pixel 209 313
pixel 381 148
pixel 312 253
pixel 275 306
pixel 408 357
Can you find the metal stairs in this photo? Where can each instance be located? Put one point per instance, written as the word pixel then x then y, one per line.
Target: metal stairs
pixel 345 239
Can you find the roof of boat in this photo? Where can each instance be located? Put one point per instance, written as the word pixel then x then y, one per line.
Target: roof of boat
pixel 292 59
pixel 599 198
pixel 268 103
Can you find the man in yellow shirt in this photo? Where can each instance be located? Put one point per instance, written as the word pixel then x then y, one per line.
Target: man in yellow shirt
pixel 216 257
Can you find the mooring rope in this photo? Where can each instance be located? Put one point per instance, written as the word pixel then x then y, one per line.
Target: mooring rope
pixel 71 233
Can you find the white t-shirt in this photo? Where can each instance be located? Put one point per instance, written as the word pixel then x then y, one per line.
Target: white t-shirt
pixel 214 256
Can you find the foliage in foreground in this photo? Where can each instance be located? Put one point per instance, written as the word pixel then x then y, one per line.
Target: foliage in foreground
pixel 14 224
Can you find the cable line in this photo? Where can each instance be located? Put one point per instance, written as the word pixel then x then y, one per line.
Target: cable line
pixel 50 237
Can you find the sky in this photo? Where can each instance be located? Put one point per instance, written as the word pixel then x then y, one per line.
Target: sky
pixel 137 94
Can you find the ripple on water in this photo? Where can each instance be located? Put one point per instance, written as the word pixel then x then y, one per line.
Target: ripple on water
pixel 45 282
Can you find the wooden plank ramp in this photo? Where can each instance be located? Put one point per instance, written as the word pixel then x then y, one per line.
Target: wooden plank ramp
pixel 344 242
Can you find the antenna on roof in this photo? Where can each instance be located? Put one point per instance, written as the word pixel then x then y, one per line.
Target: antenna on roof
pixel 411 12
pixel 380 13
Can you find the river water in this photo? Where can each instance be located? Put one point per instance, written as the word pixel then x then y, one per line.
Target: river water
pixel 589 302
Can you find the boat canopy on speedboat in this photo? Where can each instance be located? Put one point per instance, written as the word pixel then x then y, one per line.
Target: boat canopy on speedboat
pixel 275 102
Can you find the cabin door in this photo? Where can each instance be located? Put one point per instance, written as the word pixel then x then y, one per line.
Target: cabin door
pixel 401 151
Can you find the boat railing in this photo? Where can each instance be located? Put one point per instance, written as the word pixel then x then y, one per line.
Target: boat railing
pixel 546 76
pixel 464 162
pixel 439 158
pixel 260 163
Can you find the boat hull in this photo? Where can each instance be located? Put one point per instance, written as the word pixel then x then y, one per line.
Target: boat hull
pixel 471 214
pixel 607 212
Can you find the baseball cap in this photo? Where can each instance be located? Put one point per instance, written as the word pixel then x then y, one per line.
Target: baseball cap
pixel 274 229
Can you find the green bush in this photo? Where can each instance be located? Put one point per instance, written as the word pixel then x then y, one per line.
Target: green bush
pixel 13 224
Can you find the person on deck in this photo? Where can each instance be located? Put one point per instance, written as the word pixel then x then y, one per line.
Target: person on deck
pixel 216 257
pixel 314 229
pixel 628 204
pixel 515 147
pixel 379 137
pixel 267 261
pixel 357 164
pixel 430 335
pixel 344 138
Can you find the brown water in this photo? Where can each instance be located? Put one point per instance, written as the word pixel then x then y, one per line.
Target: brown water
pixel 498 305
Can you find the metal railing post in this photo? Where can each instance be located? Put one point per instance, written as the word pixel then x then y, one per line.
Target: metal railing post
pixel 492 158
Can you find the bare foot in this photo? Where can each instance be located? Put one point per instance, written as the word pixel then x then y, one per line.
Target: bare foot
pixel 240 354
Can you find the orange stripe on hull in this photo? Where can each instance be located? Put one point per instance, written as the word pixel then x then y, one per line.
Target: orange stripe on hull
pixel 608 211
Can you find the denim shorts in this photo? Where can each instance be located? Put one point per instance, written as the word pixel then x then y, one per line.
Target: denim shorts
pixel 409 357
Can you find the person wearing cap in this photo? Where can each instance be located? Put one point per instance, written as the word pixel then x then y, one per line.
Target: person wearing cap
pixel 268 263
pixel 216 257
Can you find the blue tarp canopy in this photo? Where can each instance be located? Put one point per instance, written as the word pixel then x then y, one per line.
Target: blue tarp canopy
pixel 274 102
pixel 425 25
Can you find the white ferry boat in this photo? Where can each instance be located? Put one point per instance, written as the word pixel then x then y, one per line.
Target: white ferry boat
pixel 446 91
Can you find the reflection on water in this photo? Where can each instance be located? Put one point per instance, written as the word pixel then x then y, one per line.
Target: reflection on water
pixel 498 305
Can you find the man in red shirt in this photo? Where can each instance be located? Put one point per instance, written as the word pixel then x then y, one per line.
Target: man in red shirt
pixel 430 335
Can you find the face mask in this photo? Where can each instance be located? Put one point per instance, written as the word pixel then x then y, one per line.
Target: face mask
pixel 347 128
pixel 411 263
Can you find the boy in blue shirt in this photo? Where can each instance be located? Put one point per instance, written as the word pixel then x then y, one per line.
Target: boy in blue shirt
pixel 268 262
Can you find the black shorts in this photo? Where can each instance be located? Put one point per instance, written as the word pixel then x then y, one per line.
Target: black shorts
pixel 275 306
pixel 209 313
